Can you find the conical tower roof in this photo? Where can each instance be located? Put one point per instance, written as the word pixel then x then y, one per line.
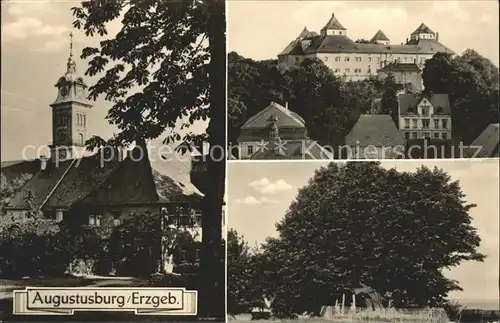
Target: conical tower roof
pixel 333 23
pixel 422 29
pixel 379 36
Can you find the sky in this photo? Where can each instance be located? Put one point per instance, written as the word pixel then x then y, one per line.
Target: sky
pixel 35 49
pixel 262 29
pixel 259 193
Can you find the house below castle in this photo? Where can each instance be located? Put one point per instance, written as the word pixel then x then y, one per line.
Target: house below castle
pixel 277 133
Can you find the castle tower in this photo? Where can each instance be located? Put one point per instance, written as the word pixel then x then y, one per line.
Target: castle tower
pixel 333 27
pixel 69 113
pixel 380 38
pixel 422 32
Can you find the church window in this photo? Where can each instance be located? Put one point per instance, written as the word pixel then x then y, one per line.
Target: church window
pixel 59 216
pixel 445 124
pixel 183 256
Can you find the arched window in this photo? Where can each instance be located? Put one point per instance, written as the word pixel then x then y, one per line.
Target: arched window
pixel 80 139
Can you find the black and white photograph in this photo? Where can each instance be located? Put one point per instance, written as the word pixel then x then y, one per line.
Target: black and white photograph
pixel 107 111
pixel 362 79
pixel 363 241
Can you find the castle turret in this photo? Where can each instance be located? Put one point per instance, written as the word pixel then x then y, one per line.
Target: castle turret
pixel 422 32
pixel 333 27
pixel 380 38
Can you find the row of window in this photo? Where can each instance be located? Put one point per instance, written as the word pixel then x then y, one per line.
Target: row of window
pixel 435 135
pixel 348 70
pixel 81 119
pixel 97 220
pixel 360 59
pixel 438 123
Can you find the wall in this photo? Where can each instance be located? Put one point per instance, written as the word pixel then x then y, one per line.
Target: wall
pixel 414 78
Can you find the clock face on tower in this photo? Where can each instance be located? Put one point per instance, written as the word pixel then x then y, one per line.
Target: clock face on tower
pixel 64 90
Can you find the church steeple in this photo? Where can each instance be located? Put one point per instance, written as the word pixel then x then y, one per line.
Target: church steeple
pixel 71 65
pixel 69 112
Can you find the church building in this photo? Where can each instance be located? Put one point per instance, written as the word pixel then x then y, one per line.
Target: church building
pixel 83 188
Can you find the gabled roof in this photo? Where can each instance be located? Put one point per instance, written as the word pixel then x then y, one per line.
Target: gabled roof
pixel 376 130
pixel 148 180
pixel 422 29
pixel 400 67
pixel 16 168
pixel 409 102
pixel 488 141
pixel 306 149
pixel 333 23
pixel 286 118
pixel 379 36
pixel 305 33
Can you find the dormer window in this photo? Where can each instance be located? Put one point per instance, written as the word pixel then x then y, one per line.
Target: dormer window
pixel 439 110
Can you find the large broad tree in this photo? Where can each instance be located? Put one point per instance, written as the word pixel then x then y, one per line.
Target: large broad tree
pixel 243 275
pixel 359 223
pixel 472 83
pixel 311 90
pixel 168 61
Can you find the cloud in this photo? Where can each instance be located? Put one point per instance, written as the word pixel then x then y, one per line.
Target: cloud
pixel 265 186
pixel 30 19
pixel 452 7
pixel 250 200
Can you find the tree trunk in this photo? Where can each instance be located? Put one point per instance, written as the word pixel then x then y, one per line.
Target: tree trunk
pixel 212 266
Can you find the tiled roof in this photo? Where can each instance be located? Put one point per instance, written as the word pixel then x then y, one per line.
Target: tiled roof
pixel 305 33
pixel 16 168
pixel 286 118
pixel 293 149
pixel 409 102
pixel 400 67
pixel 422 29
pixel 376 130
pixel 343 44
pixel 148 180
pixel 294 48
pixel 333 23
pixel 489 141
pixel 379 36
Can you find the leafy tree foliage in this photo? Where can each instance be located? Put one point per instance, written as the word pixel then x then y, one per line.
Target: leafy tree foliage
pixel 8 189
pixel 330 105
pixel 243 273
pixel 167 62
pixel 472 83
pixel 360 223
pixel 389 97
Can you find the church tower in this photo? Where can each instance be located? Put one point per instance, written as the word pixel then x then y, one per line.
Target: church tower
pixel 70 113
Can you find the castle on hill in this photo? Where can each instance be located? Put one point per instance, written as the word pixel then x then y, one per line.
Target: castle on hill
pixel 360 60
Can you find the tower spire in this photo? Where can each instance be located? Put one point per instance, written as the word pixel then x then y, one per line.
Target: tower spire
pixel 71 64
